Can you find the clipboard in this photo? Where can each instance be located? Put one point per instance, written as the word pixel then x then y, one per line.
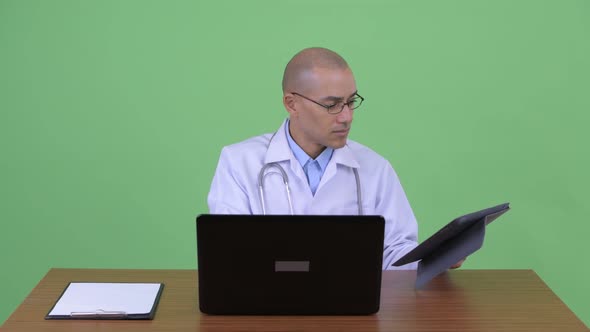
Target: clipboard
pixel 104 300
pixel 455 241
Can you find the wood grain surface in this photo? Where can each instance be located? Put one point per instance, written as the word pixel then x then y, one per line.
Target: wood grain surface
pixel 459 300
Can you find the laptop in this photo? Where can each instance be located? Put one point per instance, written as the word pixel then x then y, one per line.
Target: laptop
pixel 289 265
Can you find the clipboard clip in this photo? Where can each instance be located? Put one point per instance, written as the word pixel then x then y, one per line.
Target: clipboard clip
pixel 98 314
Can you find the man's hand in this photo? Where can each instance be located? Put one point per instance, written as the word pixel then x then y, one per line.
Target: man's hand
pixel 458 264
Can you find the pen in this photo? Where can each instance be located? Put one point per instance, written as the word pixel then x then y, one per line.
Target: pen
pixel 99 313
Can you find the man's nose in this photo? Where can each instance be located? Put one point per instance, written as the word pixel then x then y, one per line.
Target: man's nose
pixel 345 115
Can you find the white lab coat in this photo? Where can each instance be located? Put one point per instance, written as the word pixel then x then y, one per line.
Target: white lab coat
pixel 234 189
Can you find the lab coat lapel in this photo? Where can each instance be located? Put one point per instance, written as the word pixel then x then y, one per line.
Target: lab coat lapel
pixel 279 150
pixel 276 151
pixel 343 156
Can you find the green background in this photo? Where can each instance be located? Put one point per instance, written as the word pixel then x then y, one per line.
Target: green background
pixel 113 114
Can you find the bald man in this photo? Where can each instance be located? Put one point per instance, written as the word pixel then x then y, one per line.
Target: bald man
pixel 327 173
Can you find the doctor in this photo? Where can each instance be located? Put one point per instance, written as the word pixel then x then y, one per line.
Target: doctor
pixel 308 166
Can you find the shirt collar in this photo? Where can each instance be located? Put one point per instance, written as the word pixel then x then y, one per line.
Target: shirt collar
pixel 303 157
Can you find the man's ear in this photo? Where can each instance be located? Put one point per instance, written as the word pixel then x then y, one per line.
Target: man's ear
pixel 289 103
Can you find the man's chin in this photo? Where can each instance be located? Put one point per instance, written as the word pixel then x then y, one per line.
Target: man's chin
pixel 338 144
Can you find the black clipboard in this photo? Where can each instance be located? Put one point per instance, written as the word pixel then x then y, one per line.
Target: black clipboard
pixel 107 300
pixel 455 241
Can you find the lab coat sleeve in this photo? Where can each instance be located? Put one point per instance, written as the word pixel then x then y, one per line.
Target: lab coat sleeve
pixel 401 229
pixel 227 195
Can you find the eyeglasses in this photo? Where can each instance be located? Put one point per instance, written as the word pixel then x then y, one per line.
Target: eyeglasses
pixel 353 103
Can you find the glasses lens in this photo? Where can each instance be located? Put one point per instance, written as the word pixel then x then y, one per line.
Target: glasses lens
pixel 352 104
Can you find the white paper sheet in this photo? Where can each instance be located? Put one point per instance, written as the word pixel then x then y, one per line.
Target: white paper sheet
pixel 86 297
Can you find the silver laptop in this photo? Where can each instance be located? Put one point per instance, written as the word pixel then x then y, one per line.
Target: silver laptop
pixel 289 265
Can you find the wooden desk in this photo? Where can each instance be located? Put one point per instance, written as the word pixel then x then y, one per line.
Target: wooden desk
pixel 460 300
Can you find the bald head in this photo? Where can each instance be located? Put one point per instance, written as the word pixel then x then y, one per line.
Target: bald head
pixel 304 62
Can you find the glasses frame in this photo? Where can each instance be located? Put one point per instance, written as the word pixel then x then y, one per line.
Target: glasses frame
pixel 330 108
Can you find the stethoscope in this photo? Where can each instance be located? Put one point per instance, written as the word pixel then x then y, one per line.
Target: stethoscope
pixel 262 174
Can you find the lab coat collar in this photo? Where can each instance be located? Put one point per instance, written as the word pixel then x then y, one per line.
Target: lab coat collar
pixel 279 150
pixel 345 156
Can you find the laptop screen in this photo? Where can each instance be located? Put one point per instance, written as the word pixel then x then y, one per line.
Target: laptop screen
pixel 303 264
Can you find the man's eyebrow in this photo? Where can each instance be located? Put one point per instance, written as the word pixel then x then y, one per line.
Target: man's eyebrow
pixel 337 99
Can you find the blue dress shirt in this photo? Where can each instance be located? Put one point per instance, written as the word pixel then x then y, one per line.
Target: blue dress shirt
pixel 313 168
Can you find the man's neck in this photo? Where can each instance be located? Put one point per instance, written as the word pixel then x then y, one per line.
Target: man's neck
pixel 312 150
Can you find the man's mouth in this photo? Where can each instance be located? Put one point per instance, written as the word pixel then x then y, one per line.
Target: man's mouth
pixel 342 131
